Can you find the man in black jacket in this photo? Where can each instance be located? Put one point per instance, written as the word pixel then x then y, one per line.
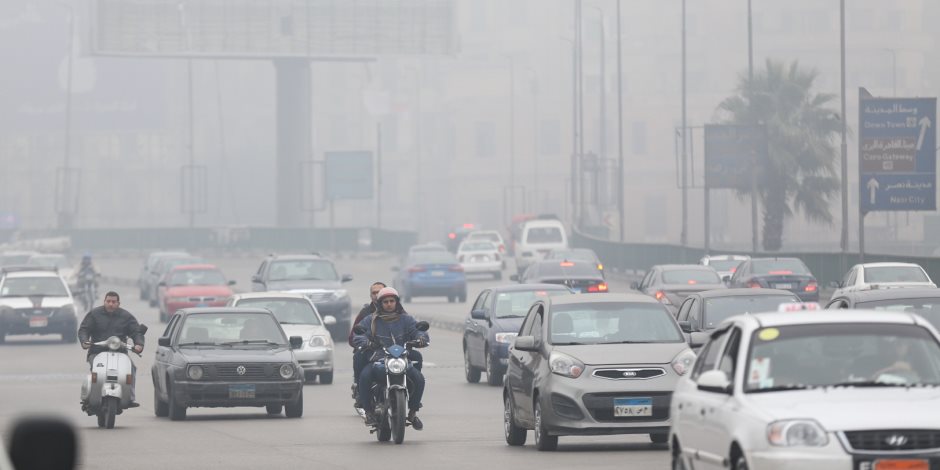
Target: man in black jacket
pixel 106 321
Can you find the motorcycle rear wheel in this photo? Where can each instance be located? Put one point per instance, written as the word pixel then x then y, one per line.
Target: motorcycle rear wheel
pixel 397 415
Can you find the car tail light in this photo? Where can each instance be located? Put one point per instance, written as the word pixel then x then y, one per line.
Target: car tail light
pixel 660 295
pixel 754 285
pixel 811 287
pixel 600 267
pixel 692 282
pixel 452 236
pixel 781 272
pixel 416 269
pixel 734 270
pixel 566 264
pixel 467 225
pixel 502 248
pixel 602 287
pixel 130 379
pixel 456 267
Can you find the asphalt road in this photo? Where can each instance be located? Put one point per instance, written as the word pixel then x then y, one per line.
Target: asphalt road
pixel 463 422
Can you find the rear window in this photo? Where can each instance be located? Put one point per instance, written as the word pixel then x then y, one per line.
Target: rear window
pixel 561 268
pixel 544 235
pixel 779 266
pixel 725 265
pixel 895 274
pixel 573 255
pixel 720 308
pixel 929 308
pixel 433 257
pixel 478 246
pixel 690 276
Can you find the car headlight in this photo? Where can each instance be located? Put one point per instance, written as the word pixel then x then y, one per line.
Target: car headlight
pixel 683 363
pixel 565 365
pixel 797 432
pixel 396 365
pixel 506 338
pixel 195 372
pixel 286 371
pixel 115 343
pixel 319 341
pixel 339 294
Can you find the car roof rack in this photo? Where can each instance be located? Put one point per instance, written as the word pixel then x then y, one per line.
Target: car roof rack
pixel 23 268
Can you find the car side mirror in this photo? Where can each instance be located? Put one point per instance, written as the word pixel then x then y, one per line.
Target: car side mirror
pixel 685 326
pixel 329 320
pixel 726 279
pixel 231 282
pixel 164 341
pixel 346 278
pixel 256 278
pixel 714 381
pixel 296 342
pixel 423 326
pixel 526 343
pixel 835 285
pixel 478 314
pixel 43 443
pixel 359 330
pixel 635 285
pixel 697 339
pixel 514 278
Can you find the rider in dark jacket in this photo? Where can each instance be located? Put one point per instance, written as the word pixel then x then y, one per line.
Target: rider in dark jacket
pixel 391 325
pixel 108 320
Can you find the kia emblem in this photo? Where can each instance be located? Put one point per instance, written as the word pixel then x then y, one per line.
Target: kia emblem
pixel 240 370
pixel 629 373
pixel 896 440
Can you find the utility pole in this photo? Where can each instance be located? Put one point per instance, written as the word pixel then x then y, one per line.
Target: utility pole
pixel 620 189
pixel 579 39
pixel 844 243
pixel 683 236
pixel 512 138
pixel 66 202
pixel 755 240
pixel 192 145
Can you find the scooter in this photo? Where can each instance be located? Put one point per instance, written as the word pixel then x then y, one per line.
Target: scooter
pixel 107 388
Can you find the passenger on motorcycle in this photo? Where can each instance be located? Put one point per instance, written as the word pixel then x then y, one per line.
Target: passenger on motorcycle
pixel 106 321
pixel 390 325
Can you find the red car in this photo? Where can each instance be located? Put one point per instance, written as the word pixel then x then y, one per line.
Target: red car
pixel 192 285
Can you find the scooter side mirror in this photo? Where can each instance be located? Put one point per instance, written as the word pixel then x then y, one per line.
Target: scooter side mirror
pixel 164 341
pixel 423 326
pixel 43 443
pixel 142 329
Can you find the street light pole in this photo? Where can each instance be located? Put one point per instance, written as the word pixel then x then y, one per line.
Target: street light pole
pixel 844 242
pixel 755 240
pixel 579 40
pixel 620 189
pixel 65 203
pixel 683 236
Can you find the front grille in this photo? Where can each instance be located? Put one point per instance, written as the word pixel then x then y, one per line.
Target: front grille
pixel 893 440
pixel 252 371
pixel 630 373
pixel 601 406
pixel 202 299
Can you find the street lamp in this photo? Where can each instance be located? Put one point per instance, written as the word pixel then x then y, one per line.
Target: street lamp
pixel 65 199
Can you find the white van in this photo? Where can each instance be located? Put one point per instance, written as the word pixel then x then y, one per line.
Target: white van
pixel 539 236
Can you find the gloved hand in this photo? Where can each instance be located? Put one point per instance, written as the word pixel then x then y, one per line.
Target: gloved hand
pixel 86 345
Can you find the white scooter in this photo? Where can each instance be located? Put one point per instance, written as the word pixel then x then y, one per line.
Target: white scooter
pixel 107 388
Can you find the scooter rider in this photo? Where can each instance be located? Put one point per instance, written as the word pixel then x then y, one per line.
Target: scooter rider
pixel 103 322
pixel 390 325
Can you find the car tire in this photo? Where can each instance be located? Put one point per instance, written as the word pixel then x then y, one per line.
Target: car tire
pixel 160 408
pixel 295 409
pixel 678 463
pixel 451 298
pixel 177 411
pixel 494 376
pixel 462 297
pixel 515 435
pixel 70 337
pixel 543 441
pixel 471 373
pixel 326 378
pixel 273 409
pixel 3 335
pixel 659 437
pixel 741 464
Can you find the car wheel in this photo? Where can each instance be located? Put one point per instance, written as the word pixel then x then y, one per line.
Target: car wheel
pixel 326 378
pixel 160 408
pixel 3 335
pixel 153 302
pixel 659 438
pixel 494 376
pixel 309 377
pixel 177 411
pixel 295 409
pixel 678 462
pixel 162 316
pixel 70 337
pixel 741 464
pixel 273 409
pixel 472 373
pixel 451 298
pixel 515 435
pixel 462 297
pixel 543 441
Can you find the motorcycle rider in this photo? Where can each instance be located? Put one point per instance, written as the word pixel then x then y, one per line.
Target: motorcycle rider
pixel 389 325
pixel 108 320
pixel 87 276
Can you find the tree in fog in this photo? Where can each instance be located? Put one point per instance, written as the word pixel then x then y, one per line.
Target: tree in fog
pixel 799 174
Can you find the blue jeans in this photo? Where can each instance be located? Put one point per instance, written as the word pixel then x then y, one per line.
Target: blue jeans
pixel 376 371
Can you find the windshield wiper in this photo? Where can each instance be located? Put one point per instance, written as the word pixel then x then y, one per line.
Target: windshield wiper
pixel 779 388
pixel 510 316
pixel 197 343
pixel 573 343
pixel 629 342
pixel 868 383
pixel 252 342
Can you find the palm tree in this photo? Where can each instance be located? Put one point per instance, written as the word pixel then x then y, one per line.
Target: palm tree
pixel 799 173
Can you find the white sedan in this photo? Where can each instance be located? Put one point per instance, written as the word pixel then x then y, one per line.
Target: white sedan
pixel 883 276
pixel 850 389
pixel 481 257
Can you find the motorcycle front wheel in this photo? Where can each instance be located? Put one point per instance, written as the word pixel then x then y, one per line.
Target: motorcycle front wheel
pixel 108 412
pixel 396 413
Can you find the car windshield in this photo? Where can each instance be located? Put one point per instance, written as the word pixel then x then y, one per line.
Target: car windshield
pixel 167 264
pixel 51 286
pixel 544 235
pixel 895 274
pixel 718 309
pixel 730 265
pixel 53 261
pixel 863 354
pixel 612 322
pixel 516 304
pixel 303 270
pixel 228 327
pixel 433 257
pixel 567 269
pixel 478 246
pixel 155 258
pixel 929 308
pixel 690 276
pixel 779 266
pixel 197 277
pixel 573 255
pixel 290 311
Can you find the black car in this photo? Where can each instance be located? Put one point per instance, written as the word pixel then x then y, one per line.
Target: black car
pixel 456 236
pixel 586 255
pixel 777 273
pixel 493 324
pixel 704 311
pixel 313 276
pixel 578 276
pixel 226 357
pixel 924 302
pixel 670 284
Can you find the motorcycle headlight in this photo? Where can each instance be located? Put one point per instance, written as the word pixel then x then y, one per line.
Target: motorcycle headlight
pixel 506 338
pixel 339 294
pixel 319 341
pixel 195 372
pixel 797 433
pixel 286 371
pixel 396 365
pixel 565 365
pixel 683 363
pixel 115 343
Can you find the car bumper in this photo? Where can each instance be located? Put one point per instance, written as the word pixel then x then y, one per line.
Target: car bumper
pixel 315 359
pixel 18 325
pixel 216 393
pixel 793 460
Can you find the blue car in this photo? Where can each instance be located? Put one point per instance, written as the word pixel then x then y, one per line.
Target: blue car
pixel 430 274
pixel 492 326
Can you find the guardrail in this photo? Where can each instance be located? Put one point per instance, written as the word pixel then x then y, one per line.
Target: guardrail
pixel 827 267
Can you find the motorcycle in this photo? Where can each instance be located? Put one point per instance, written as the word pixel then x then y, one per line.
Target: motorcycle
pixel 107 388
pixel 391 397
pixel 87 284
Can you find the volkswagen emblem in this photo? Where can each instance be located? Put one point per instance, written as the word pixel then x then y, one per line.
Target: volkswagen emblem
pixel 896 440
pixel 240 370
pixel 629 373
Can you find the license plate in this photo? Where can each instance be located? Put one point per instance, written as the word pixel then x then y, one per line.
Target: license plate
pixel 784 286
pixel 631 407
pixel 38 322
pixel 437 273
pixel 907 464
pixel 241 391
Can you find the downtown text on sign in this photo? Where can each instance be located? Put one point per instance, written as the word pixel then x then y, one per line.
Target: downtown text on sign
pixel 897 154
